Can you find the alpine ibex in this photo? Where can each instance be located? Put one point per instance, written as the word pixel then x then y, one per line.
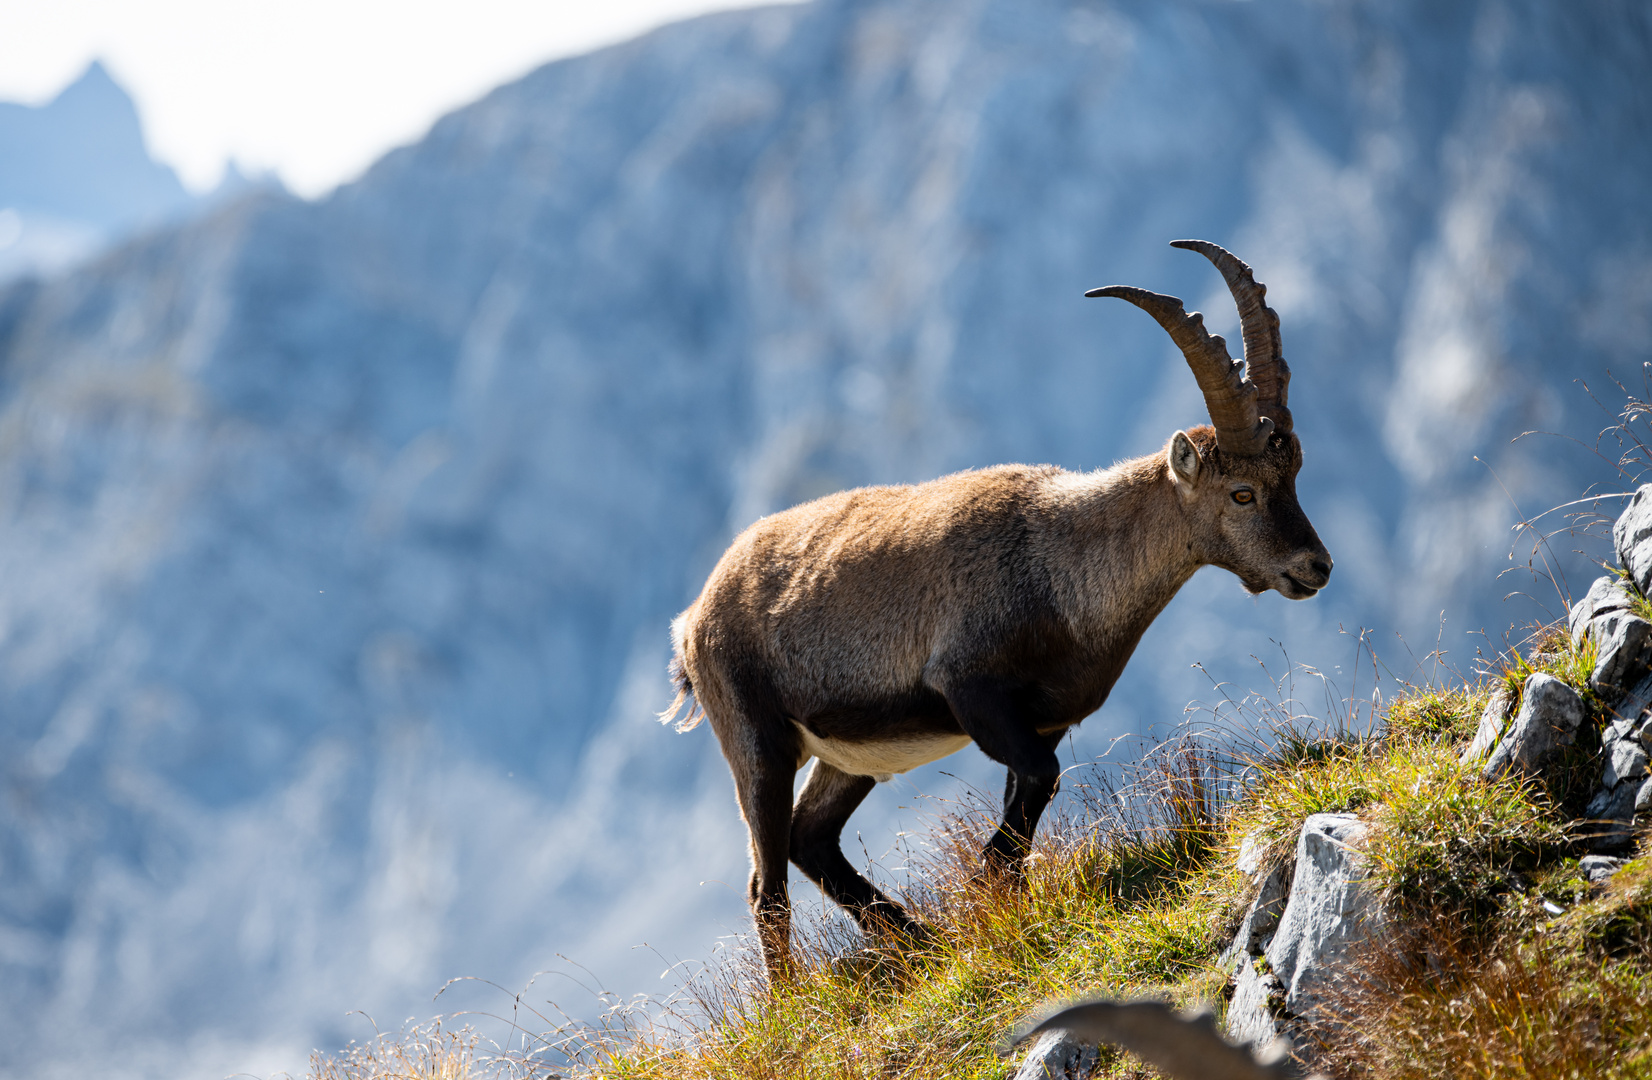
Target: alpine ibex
pixel 882 628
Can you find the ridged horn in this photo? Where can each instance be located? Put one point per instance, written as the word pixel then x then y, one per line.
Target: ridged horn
pixel 1230 398
pixel 1259 324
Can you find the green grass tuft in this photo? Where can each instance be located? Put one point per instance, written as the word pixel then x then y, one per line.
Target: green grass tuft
pixel 1430 714
pixel 1618 922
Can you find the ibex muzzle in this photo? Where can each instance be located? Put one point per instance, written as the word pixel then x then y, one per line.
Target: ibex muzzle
pixel 879 629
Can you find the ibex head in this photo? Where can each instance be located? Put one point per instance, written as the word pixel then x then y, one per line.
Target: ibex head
pixel 1237 479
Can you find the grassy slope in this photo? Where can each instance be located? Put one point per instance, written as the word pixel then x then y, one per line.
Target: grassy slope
pixel 1482 973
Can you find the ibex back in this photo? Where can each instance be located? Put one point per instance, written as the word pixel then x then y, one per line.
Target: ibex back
pixel 879 629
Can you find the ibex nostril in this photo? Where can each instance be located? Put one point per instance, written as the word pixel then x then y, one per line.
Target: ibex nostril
pixel 1322 567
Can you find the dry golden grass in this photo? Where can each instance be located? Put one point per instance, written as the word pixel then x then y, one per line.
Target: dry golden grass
pixel 427 1052
pixel 1517 1003
pixel 1116 911
pixel 1135 892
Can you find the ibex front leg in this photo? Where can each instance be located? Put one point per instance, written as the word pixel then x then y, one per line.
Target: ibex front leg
pixel 1003 718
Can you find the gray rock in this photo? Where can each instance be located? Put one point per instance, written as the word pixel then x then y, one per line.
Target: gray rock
pixel 1623 644
pixel 1261 918
pixel 1625 761
pixel 1265 908
pixel 1612 803
pixel 1631 708
pixel 1550 712
pixel 1252 1011
pixel 1493 720
pixel 1330 910
pixel 1612 812
pixel 1608 593
pixel 1059 1055
pixel 1632 536
pixel 1598 868
pixel 1626 788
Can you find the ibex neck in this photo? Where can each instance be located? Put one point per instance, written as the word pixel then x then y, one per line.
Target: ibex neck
pixel 1129 548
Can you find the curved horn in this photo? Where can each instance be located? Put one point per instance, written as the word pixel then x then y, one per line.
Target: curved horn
pixel 1230 398
pixel 1264 361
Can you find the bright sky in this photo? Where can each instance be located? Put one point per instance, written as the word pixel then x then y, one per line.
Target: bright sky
pixel 314 89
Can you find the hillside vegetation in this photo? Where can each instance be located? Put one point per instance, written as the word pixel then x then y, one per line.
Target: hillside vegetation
pixel 1502 958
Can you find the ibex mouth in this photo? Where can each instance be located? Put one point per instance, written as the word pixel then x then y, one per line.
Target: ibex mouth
pixel 1297 590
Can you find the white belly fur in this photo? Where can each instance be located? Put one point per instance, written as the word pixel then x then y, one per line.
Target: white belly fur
pixel 883 759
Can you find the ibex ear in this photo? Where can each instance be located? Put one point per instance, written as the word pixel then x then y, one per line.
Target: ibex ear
pixel 1183 457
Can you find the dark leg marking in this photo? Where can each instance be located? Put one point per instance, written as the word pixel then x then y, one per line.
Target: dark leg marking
pixel 829 796
pixel 761 748
pixel 1003 718
pixel 765 795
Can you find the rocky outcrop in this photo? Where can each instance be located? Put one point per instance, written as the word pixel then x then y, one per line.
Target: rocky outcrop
pixel 1547 722
pixel 1549 716
pixel 1623 679
pixel 1626 790
pixel 1623 651
pixel 1632 538
pixel 1597 868
pixel 1292 945
pixel 1284 966
pixel 1494 720
pixel 1608 594
pixel 1331 909
pixel 1256 994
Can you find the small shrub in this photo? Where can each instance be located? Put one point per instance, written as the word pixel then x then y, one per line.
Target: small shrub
pixel 1344 776
pixel 1549 650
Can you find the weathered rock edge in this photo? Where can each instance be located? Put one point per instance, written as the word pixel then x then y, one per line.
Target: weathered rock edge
pixel 1295 939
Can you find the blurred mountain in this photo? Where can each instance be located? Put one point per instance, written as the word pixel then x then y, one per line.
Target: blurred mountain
pixel 75 174
pixel 340 538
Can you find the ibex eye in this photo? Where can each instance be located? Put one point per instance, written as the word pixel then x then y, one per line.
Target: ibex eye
pixel 1243 496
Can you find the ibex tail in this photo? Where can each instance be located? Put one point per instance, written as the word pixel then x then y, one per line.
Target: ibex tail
pixel 678 671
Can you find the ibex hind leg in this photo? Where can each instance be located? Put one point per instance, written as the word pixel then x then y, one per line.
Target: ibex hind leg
pixel 765 795
pixel 762 752
pixel 829 796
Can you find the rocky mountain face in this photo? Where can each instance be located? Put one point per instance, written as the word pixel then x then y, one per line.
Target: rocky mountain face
pixel 340 538
pixel 75 174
